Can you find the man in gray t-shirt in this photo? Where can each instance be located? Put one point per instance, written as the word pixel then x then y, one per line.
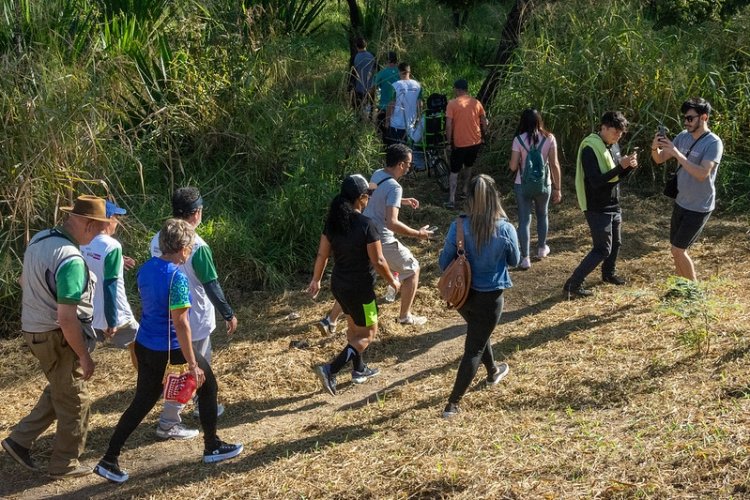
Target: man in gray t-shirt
pixel 363 69
pixel 698 152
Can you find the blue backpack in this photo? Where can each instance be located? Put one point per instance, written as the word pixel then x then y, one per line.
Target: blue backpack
pixel 535 172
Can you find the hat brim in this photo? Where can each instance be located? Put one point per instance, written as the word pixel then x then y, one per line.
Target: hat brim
pixel 69 210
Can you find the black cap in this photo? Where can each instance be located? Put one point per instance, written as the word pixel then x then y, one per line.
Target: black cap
pixel 354 186
pixel 392 57
pixel 461 84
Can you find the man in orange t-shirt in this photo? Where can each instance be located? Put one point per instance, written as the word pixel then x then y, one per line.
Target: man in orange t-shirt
pixel 465 125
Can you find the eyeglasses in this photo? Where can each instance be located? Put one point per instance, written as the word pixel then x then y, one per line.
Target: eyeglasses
pixel 690 118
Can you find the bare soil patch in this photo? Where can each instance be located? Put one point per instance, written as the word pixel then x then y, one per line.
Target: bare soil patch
pixel 602 399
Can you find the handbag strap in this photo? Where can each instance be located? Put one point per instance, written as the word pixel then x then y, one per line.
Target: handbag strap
pixel 460 236
pixel 690 150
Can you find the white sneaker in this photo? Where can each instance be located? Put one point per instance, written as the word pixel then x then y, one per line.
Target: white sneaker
pixel 543 252
pixel 525 263
pixel 177 431
pixel 219 410
pixel 413 320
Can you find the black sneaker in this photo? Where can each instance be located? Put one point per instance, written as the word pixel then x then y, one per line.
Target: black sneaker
pixel 451 410
pixel 572 292
pixel 613 279
pixel 221 451
pixel 19 454
pixel 111 471
pixel 327 379
pixel 363 376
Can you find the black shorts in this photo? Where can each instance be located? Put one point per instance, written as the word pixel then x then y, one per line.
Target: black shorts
pixel 463 157
pixel 686 226
pixel 359 304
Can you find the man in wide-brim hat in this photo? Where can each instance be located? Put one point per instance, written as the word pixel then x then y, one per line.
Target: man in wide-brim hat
pixel 55 319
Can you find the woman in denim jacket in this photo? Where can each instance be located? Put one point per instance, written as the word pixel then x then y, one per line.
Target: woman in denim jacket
pixel 491 248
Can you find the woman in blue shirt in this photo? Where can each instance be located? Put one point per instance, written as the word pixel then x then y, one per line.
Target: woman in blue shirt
pixel 491 248
pixel 164 337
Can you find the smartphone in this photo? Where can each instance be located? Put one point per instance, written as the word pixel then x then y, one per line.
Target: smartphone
pixel 432 229
pixel 661 130
pixel 636 150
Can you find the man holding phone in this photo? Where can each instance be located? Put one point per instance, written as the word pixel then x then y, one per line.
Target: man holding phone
pixel 597 186
pixel 698 152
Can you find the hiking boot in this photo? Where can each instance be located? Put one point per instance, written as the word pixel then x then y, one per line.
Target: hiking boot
pixel 572 292
pixel 542 252
pixel 412 320
pixel 219 411
pixel 111 471
pixel 525 264
pixel 501 370
pixel 326 327
pixel 451 410
pixel 78 471
pixel 221 451
pixel 177 431
pixel 19 454
pixel 363 376
pixel 613 279
pixel 327 379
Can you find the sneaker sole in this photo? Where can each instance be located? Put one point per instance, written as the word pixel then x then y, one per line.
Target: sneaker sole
pixel 177 438
pixel 212 459
pixel 362 380
pixel 323 377
pixel 85 471
pixel 7 447
pixel 109 476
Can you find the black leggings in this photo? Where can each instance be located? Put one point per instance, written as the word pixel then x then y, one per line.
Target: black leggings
pixel 148 390
pixel 482 312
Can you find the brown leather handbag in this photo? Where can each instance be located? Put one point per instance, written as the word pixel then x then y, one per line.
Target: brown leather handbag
pixel 456 279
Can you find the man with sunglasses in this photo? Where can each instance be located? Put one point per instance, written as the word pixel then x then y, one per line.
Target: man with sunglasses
pixel 698 152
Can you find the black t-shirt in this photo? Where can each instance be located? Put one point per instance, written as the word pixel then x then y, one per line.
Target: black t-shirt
pixel 352 269
pixel 601 195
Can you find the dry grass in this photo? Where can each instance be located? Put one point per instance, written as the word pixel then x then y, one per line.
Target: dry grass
pixel 602 401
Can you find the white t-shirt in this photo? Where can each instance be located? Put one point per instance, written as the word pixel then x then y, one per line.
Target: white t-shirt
pixel 202 312
pixel 104 258
pixel 407 94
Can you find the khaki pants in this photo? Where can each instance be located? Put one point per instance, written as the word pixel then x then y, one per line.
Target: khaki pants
pixel 65 398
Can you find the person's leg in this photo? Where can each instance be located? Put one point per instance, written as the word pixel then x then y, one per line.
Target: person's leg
pixel 470 157
pixel 456 163
pixel 408 292
pixel 524 220
pixel 609 266
pixel 683 264
pixel 481 312
pixel 148 389
pixel 600 225
pixel 207 402
pixel 686 226
pixel 541 210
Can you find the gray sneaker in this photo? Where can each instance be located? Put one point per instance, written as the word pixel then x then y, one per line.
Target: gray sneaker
pixel 501 370
pixel 177 431
pixel 326 327
pixel 78 471
pixel 363 376
pixel 219 411
pixel 327 379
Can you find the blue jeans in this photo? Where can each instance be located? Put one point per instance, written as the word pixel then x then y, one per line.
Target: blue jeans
pixel 540 202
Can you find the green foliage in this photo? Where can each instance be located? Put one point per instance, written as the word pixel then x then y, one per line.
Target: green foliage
pixel 302 17
pixel 691 12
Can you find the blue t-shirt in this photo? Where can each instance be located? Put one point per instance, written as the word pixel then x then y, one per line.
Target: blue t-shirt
pixel 163 288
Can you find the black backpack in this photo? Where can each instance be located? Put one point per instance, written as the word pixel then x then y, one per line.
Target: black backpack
pixel 435 119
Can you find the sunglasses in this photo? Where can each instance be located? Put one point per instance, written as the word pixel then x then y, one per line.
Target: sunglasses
pixel 690 118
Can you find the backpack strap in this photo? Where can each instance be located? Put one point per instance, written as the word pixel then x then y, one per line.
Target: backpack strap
pixel 523 145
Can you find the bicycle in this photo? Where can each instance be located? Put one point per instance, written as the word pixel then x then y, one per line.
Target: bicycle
pixel 437 166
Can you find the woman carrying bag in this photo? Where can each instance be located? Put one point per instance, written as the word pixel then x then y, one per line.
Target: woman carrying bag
pixel 491 248
pixel 163 339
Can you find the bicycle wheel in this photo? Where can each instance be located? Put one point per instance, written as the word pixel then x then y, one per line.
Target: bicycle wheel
pixel 442 172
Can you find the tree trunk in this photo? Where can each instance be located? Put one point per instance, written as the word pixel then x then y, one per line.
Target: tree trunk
pixel 355 28
pixel 509 38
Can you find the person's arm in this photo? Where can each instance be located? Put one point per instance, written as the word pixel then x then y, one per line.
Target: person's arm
pixel 181 321
pixel 515 160
pixel 205 271
pixel 67 318
pixel 512 252
pixel 450 250
pixel 113 262
pixel 700 172
pixel 484 126
pixel 321 261
pixel 375 253
pixel 449 131
pixel 398 227
pixel 71 279
pixel 555 170
pixel 591 170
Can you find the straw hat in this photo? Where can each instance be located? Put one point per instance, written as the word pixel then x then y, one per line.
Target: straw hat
pixel 90 207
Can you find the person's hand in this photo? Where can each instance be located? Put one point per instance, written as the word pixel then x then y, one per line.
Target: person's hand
pixel 128 262
pixel 412 202
pixel 198 375
pixel 425 233
pixel 87 366
pixel 655 142
pixel 667 147
pixel 396 284
pixel 313 288
pixel 110 332
pixel 629 162
pixel 231 325
pixel 556 196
